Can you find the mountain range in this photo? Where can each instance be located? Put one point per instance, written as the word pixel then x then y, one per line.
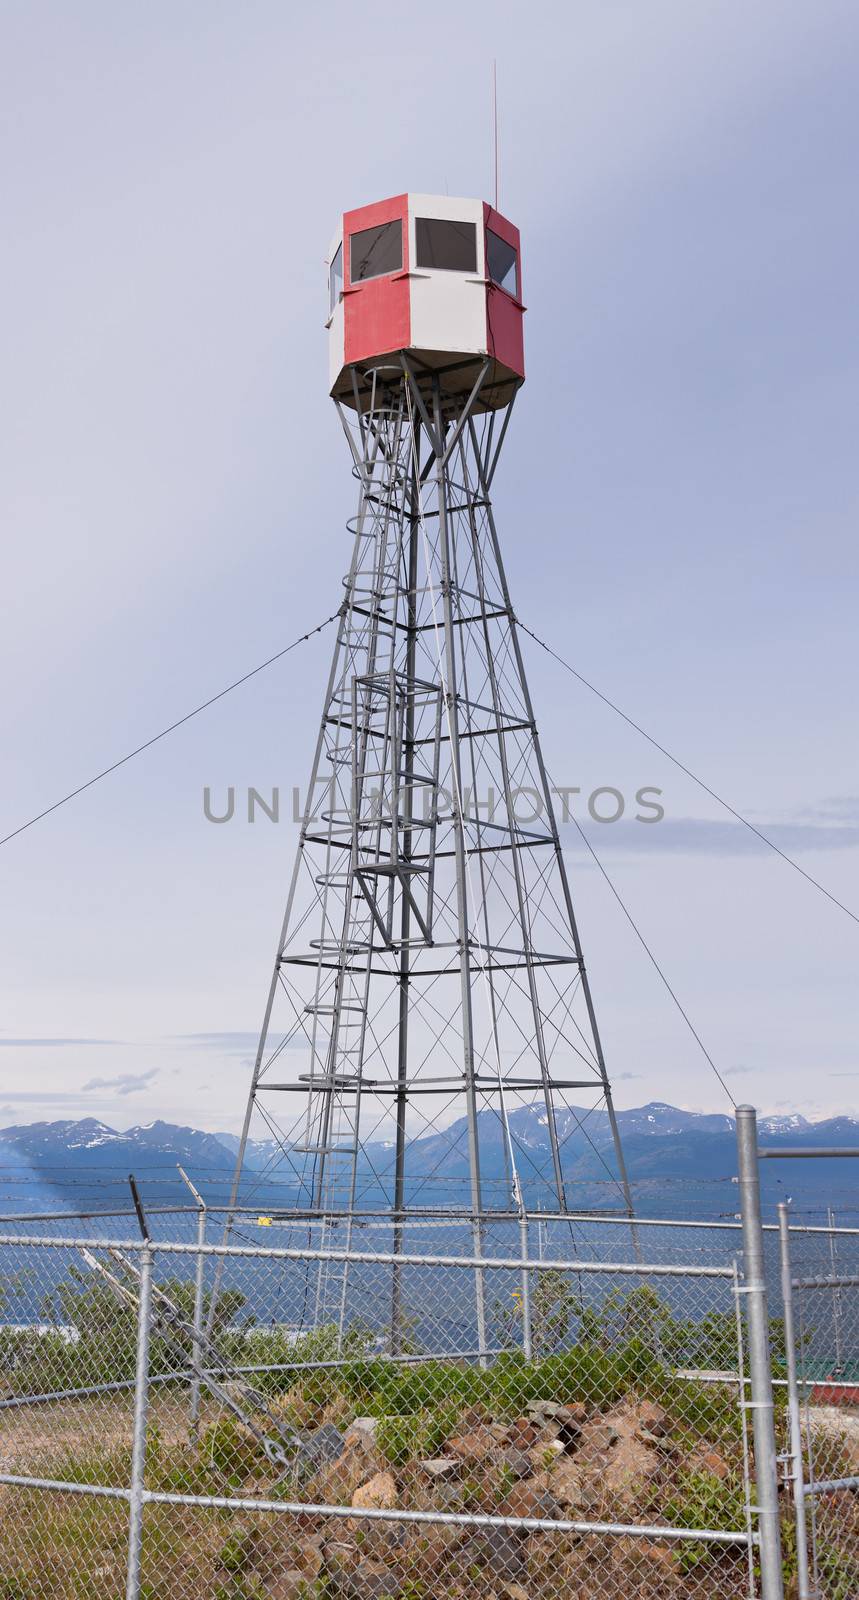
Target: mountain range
pixel 679 1162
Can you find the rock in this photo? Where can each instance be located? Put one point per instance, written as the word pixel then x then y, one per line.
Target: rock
pixel 711 1462
pixel 379 1493
pixel 546 1408
pixel 357 1461
pixel 570 1434
pixel 545 1413
pixel 659 1555
pixel 449 1496
pixel 517 1462
pixel 531 1498
pixel 568 1483
pixel 441 1467
pixel 326 1443
pixel 646 1569
pixel 339 1555
pixel 652 1419
pixel 523 1434
pixel 366 1426
pixel 515 1591
pixel 472 1418
pixel 543 1454
pixel 631 1465
pixel 370 1580
pixel 616 1457
pixel 501 1549
pixel 308 1557
pixel 316 1449
pixel 473 1447
pixel 291 1585
pixel 599 1436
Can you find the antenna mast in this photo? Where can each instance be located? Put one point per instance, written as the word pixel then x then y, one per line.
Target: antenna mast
pixel 495 133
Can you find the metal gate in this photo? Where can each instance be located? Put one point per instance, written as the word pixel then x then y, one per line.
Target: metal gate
pixel 821 1325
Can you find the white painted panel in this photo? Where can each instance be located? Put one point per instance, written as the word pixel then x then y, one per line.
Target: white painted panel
pixel 448 309
pixel 336 321
pixel 336 343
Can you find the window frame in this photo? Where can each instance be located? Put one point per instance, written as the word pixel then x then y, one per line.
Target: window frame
pixel 334 298
pixel 491 233
pixel 376 227
pixel 445 222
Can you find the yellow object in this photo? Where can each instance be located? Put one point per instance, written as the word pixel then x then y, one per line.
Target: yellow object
pixel 263 1222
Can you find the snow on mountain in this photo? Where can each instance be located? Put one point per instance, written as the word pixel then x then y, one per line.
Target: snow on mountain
pixel 788 1124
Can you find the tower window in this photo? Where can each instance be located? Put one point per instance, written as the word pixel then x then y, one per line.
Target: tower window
pixel 335 280
pixel 451 245
pixel 501 263
pixel 375 251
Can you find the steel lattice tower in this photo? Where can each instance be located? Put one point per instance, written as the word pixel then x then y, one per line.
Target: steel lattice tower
pixel 429 967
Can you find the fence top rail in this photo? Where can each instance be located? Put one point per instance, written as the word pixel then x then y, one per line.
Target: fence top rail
pixel 465 1519
pixel 368 1257
pixel 424 1217
pixel 96 1216
pixel 806 1152
pixel 833 1280
pixel 463 1218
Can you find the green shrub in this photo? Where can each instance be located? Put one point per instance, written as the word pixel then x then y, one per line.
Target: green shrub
pixel 416 1435
pixel 702 1500
pixel 398 1438
pixel 229 1451
pixel 238 1551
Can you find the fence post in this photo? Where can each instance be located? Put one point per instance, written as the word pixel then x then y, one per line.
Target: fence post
pixel 760 1367
pixel 796 1461
pixel 527 1348
pixel 199 1298
pixel 836 1296
pixel 138 1447
pixel 197 1357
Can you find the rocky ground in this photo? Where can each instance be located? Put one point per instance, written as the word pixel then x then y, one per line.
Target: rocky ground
pixel 631 1461
pixel 556 1463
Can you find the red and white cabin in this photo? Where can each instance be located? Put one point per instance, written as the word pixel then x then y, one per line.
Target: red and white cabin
pixel 436 277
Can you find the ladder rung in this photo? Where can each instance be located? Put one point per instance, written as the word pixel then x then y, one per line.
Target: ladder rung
pixel 330 1010
pixel 324 1149
pixel 337 1082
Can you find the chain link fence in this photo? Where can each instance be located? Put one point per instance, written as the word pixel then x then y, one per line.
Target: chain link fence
pixel 256 1450
pixel 324 1415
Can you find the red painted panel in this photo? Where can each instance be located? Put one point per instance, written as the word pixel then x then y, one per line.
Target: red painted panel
pixel 376 311
pixel 504 313
pixel 833 1394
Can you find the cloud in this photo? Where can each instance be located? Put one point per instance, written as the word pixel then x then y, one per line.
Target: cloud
pixel 735 1072
pixel 239 1039
pixel 236 1043
pixel 844 807
pixel 624 1077
pixel 52 1044
pixel 124 1083
pixel 706 836
pixel 48 1097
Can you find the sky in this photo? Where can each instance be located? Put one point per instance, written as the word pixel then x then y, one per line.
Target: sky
pixel 677 504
